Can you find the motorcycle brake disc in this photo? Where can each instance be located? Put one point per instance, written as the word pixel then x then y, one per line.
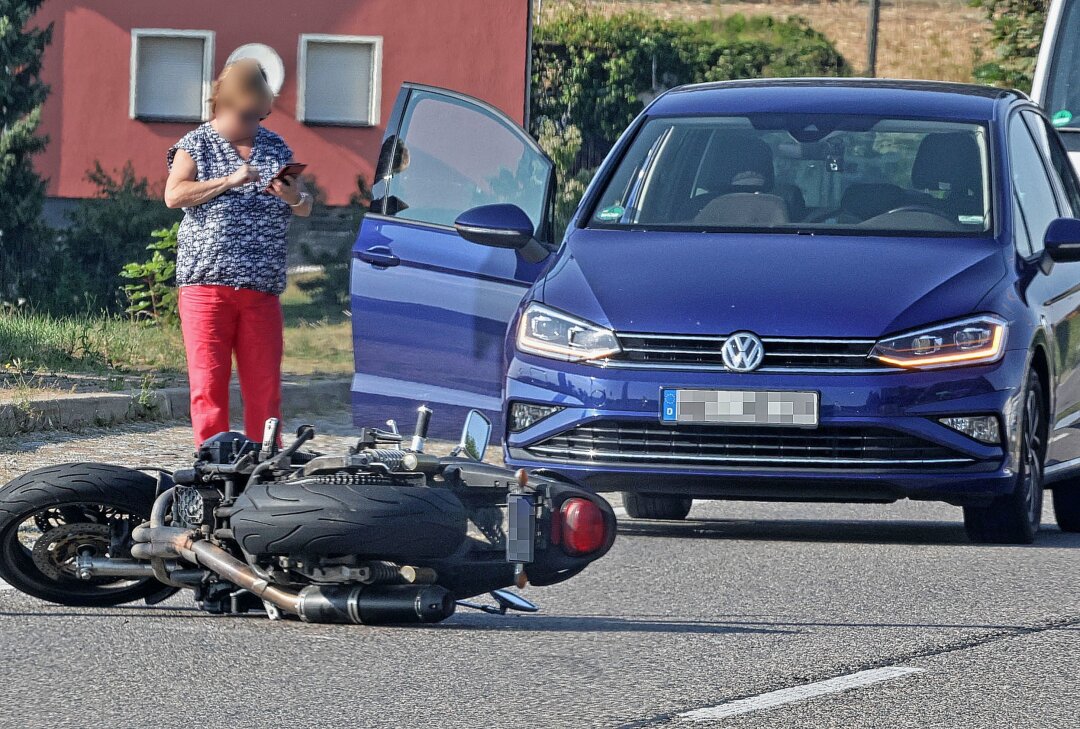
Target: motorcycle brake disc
pixel 56 551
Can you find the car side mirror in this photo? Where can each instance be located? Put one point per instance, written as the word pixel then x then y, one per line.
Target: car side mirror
pixel 1062 240
pixel 475 436
pixel 501 226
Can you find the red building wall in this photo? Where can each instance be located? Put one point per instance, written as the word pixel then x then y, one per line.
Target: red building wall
pixel 478 47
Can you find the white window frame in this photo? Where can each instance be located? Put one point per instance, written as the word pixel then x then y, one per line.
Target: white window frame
pixel 375 104
pixel 207 37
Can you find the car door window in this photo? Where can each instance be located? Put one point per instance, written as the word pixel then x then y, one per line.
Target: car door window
pixel 1034 194
pixel 450 155
pixel 1052 148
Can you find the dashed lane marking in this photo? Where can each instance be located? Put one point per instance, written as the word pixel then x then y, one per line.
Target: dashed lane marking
pixel 773 699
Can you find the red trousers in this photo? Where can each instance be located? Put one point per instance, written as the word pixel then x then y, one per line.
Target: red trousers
pixel 217 322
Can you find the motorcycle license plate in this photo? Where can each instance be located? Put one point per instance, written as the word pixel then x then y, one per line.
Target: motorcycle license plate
pixel 521 531
pixel 739 407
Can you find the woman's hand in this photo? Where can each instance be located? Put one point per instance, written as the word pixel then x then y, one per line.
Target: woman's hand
pixel 243 175
pixel 288 189
pixel 182 190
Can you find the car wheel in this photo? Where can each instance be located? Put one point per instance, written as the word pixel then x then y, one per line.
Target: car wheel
pixel 642 506
pixel 1014 518
pixel 1067 505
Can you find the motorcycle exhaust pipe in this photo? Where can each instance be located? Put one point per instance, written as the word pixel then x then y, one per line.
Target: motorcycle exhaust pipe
pixel 370 605
pixel 375 604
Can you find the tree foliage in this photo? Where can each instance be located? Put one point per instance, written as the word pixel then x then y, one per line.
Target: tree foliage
pixel 22 191
pixel 596 72
pixel 1016 28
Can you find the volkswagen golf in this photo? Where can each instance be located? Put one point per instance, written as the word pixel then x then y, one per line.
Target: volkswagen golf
pixel 803 290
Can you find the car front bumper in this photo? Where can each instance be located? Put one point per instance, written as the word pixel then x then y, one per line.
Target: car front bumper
pixel 905 403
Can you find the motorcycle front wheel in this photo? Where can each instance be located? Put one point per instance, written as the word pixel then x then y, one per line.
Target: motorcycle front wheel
pixel 49 516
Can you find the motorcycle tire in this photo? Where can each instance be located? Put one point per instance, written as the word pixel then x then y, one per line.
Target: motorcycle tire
pixel 307 518
pixel 70 505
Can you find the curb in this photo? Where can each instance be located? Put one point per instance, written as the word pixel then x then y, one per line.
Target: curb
pixel 78 411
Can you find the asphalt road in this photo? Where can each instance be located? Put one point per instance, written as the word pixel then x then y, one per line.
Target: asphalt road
pixel 677 622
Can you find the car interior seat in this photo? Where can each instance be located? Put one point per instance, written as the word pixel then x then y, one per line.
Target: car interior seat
pixel 949 165
pixel 737 185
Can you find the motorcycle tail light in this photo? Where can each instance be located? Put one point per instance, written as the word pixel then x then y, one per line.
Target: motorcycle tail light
pixel 579 527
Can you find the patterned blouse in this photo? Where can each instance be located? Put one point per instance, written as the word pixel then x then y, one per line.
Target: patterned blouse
pixel 238 238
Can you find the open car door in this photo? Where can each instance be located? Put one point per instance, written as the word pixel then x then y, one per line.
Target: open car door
pixel 430 309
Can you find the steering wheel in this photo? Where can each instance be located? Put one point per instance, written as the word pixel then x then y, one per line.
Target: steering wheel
pixel 821 217
pixel 918 209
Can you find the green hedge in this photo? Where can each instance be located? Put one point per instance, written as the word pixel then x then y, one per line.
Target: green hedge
pixel 1016 28
pixel 596 72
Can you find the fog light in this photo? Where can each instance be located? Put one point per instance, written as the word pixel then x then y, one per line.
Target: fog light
pixel 526 414
pixel 983 428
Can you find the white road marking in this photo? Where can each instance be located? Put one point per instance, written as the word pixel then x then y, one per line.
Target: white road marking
pixel 5 586
pixel 620 512
pixel 772 699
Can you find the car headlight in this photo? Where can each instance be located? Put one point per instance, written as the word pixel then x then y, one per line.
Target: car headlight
pixel 550 333
pixel 977 340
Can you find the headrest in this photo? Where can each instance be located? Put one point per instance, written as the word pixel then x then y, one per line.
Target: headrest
pixel 948 161
pixel 737 161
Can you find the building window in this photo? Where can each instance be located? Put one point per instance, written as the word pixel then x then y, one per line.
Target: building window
pixel 171 72
pixel 339 80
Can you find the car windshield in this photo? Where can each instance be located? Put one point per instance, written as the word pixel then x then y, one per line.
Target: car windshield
pixel 1063 81
pixel 807 173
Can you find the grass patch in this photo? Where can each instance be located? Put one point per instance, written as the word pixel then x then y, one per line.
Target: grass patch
pixel 318 340
pixel 86 344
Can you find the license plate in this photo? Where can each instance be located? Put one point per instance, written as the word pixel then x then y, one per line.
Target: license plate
pixel 521 532
pixel 739 407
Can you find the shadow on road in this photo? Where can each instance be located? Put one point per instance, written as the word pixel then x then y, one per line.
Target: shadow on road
pixel 805 530
pixel 603 624
pixel 463 620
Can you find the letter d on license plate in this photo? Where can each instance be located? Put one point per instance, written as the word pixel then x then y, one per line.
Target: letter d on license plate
pixel 739 407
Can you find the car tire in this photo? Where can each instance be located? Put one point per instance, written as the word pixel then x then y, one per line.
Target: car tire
pixel 1067 505
pixel 1014 518
pixel 644 506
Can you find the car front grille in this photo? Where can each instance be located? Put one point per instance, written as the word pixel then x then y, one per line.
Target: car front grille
pixel 655 444
pixel 782 354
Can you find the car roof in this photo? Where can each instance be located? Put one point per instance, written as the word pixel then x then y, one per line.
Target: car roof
pixel 885 97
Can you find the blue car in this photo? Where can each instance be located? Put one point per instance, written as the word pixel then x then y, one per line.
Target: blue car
pixel 796 290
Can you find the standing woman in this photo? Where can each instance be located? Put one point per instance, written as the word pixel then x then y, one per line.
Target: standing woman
pixel 230 257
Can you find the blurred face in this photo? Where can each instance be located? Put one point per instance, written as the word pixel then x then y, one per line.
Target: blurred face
pixel 239 121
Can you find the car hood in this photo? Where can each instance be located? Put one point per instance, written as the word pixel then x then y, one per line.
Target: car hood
pixel 774 285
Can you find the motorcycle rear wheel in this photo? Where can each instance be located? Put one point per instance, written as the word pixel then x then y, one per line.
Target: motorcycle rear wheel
pixel 47 515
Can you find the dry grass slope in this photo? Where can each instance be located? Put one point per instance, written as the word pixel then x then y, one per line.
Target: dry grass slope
pixel 927 39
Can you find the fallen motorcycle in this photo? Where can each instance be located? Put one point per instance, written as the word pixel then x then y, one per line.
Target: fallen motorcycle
pixel 382 533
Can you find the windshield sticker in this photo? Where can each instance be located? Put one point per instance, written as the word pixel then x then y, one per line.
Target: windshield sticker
pixel 613 213
pixel 1061 118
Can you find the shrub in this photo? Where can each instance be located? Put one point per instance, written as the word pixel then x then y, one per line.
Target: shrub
pixel 106 232
pixel 1016 28
pixel 596 72
pixel 330 288
pixel 152 296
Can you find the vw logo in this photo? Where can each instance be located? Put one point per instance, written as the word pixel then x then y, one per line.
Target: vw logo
pixel 742 352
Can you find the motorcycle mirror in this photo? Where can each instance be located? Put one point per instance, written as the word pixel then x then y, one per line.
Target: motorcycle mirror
pixel 504 600
pixel 475 436
pixel 512 601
